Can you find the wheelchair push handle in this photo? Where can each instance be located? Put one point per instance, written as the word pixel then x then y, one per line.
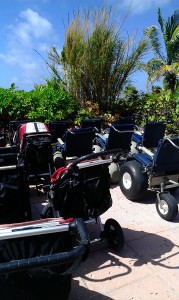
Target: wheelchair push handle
pixel 63 172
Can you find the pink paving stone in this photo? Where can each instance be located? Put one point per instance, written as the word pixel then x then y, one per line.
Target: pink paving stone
pixel 147 267
pixel 146 288
pixel 108 271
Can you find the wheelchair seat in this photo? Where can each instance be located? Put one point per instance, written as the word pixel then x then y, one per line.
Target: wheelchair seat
pixel 165 160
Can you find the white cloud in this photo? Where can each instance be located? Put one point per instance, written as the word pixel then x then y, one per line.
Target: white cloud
pixel 141 6
pixel 30 31
pixel 36 25
pixel 43 47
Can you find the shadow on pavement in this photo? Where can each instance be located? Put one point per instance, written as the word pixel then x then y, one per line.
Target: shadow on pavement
pixel 79 292
pixel 140 249
pixel 149 248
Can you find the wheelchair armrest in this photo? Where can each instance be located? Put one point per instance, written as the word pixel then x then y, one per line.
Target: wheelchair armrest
pixel 147 151
pixel 60 141
pixel 60 145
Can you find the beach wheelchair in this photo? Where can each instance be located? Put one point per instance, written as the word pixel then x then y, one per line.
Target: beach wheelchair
pixel 14 187
pixel 74 143
pixel 149 137
pixel 40 256
pixel 156 171
pixel 82 189
pixel 36 256
pixel 117 136
pixel 35 144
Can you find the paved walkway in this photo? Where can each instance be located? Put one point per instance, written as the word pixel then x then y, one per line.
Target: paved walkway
pixel 147 267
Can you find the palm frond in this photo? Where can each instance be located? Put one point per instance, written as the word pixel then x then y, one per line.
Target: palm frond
pixel 154 65
pixel 171 25
pixel 173 50
pixel 175 33
pixel 161 21
pixel 153 34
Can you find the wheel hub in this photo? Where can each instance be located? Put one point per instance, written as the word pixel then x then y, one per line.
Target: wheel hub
pixel 163 207
pixel 127 180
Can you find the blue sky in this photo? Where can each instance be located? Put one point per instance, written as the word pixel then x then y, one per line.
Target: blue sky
pixel 29 27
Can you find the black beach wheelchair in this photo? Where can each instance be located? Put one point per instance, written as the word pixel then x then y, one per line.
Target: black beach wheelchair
pixel 14 187
pixel 82 190
pixel 117 136
pixel 34 142
pixel 156 171
pixel 75 143
pixel 39 256
pixel 36 256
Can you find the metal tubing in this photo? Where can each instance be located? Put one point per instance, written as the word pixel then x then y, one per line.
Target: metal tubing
pixel 30 230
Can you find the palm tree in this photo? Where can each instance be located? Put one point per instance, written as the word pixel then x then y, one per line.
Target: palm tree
pixel 164 65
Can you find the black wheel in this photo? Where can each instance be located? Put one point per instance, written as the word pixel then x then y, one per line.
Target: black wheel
pixel 114 234
pixel 114 173
pixel 47 211
pixel 167 206
pixel 173 190
pixel 132 180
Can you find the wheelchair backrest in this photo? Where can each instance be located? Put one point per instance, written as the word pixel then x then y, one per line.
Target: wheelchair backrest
pixel 153 132
pixel 35 144
pixel 13 130
pixel 78 142
pixel 123 127
pixel 166 159
pixel 13 186
pixel 120 136
pixel 8 155
pixel 92 123
pixel 126 120
pixel 58 128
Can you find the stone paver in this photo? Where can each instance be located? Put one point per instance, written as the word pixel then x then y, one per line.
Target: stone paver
pixel 148 265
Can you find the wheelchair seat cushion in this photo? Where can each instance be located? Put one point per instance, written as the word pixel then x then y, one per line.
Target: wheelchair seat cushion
pixel 144 158
pixel 137 138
